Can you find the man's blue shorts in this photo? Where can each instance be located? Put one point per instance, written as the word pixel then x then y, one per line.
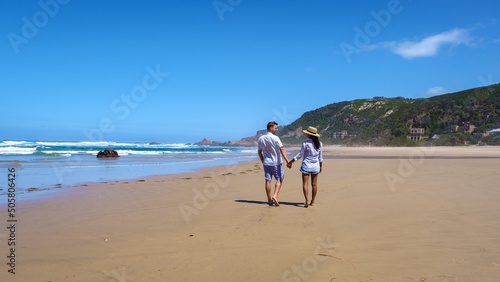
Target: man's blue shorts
pixel 274 170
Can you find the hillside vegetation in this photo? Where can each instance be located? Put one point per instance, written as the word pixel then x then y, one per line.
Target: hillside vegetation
pixel 387 121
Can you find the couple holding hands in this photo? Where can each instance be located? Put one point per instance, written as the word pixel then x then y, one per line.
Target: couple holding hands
pixel 270 148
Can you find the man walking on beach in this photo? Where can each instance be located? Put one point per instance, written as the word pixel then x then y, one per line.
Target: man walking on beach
pixel 270 147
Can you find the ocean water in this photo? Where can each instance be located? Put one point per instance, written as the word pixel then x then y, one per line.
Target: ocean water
pixel 43 167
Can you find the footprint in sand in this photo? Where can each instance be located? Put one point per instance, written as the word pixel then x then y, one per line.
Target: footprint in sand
pixel 457 261
pixel 493 266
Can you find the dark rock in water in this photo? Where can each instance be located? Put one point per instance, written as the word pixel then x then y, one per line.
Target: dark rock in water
pixel 154 143
pixel 108 153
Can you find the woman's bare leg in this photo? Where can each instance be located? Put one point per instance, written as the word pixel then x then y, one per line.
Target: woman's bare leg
pixel 314 184
pixel 305 180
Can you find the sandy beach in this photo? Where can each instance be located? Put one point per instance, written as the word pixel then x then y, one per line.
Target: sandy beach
pixel 381 214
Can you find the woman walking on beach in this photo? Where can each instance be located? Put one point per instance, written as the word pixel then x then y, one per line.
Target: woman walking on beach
pixel 312 164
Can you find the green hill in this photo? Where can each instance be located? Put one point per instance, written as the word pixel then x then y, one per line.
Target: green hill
pixel 387 121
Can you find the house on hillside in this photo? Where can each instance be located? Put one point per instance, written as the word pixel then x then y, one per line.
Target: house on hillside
pixel 339 135
pixel 494 132
pixel 342 134
pixel 416 134
pixel 481 135
pixel 466 126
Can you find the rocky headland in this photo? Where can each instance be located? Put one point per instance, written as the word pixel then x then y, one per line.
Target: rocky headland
pixel 244 142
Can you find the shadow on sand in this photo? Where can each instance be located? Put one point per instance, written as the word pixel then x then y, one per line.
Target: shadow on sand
pixel 265 203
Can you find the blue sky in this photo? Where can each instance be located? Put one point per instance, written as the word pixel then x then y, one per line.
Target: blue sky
pixel 180 71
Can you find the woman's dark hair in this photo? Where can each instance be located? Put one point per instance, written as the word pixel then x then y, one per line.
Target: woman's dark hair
pixel 315 140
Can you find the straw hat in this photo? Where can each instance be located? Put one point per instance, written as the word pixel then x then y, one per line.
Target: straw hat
pixel 311 131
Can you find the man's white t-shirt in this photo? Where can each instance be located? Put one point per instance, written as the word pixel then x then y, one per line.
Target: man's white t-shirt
pixel 270 145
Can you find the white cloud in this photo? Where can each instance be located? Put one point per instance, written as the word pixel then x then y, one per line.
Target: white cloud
pixel 433 91
pixel 429 46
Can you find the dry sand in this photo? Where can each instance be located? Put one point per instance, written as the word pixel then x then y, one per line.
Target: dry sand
pixel 391 214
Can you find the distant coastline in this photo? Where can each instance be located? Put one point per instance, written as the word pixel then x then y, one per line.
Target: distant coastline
pixel 244 142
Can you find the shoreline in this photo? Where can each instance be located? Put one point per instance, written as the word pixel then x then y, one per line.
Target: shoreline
pixel 330 152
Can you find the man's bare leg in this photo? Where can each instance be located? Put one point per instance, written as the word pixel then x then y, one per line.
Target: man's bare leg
pixel 268 193
pixel 277 188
